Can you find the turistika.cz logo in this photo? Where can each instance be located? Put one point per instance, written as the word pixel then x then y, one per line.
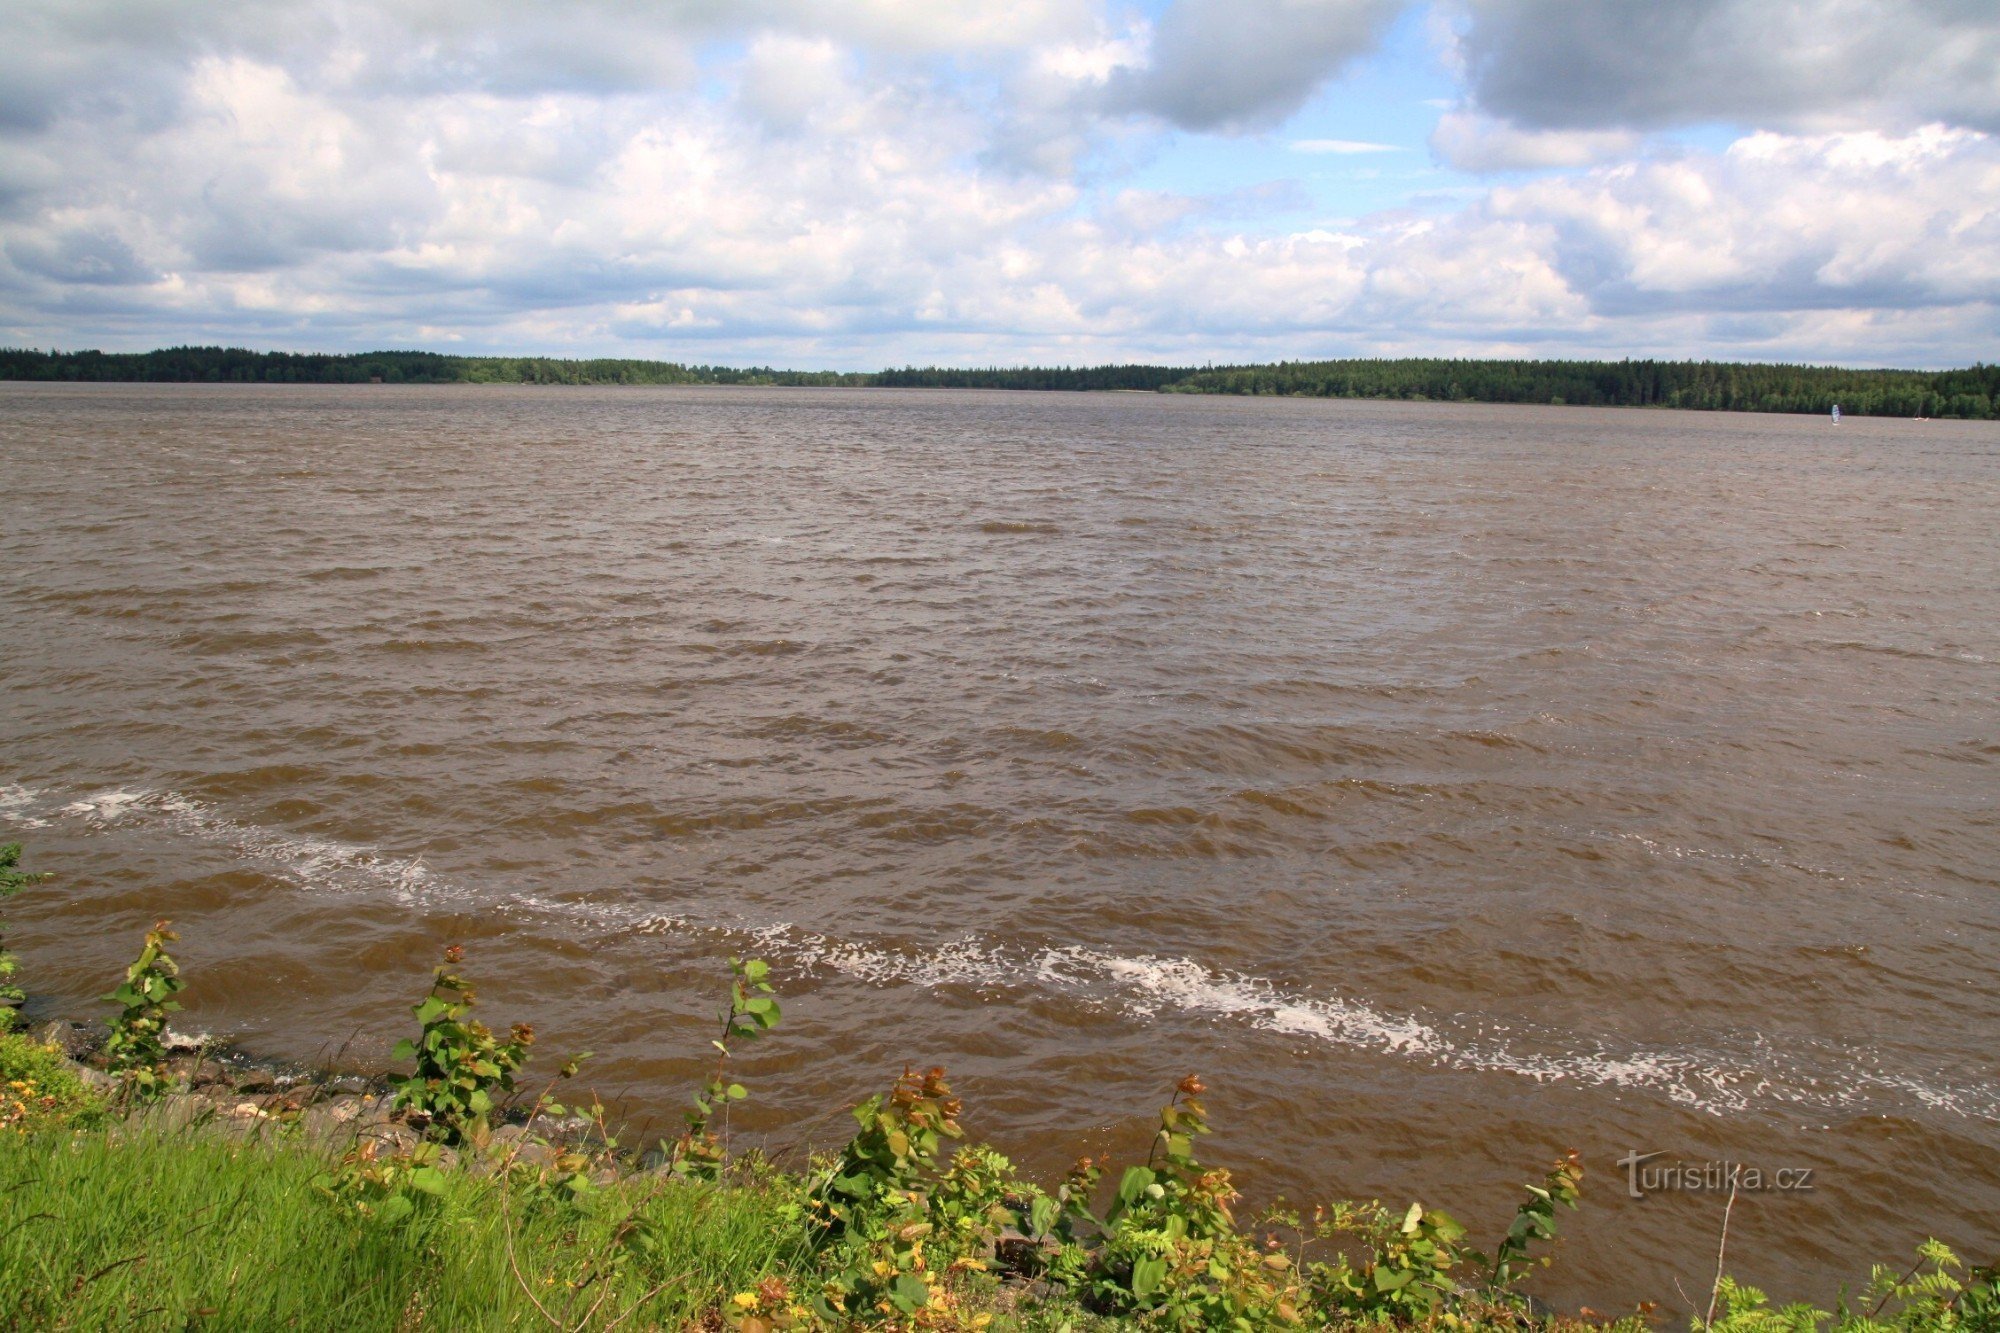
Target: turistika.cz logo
pixel 1709 1177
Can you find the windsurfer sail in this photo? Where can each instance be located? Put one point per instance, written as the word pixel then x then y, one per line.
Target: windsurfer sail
pixel 1836 414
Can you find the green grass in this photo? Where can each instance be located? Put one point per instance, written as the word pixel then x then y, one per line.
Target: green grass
pixel 148 1229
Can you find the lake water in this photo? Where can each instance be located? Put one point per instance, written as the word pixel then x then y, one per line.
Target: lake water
pixel 1450 785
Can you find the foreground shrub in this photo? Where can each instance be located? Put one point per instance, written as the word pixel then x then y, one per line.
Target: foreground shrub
pixel 460 1063
pixel 1936 1294
pixel 136 1049
pixel 40 1090
pixel 700 1154
pixel 12 880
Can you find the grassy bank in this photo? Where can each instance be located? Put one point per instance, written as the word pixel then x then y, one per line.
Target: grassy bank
pixel 152 1227
pixel 145 1214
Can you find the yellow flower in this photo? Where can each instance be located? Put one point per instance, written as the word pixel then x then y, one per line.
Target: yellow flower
pixel 745 1299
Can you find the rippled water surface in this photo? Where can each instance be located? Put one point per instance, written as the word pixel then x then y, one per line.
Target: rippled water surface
pixel 1450 785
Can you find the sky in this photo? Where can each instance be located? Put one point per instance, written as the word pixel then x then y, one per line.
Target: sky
pixel 854 184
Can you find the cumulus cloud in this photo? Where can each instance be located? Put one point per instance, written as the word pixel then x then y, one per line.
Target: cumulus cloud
pixel 1807 64
pixel 1780 223
pixel 864 182
pixel 1238 64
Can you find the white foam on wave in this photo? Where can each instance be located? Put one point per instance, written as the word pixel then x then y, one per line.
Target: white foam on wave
pixel 1186 986
pixel 1147 987
pixel 17 805
pixel 106 807
pixel 312 862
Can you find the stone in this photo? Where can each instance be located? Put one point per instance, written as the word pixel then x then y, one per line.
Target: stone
pixel 1016 1253
pixel 179 1111
pixel 73 1040
pixel 391 1138
pixel 325 1124
pixel 193 1070
pixel 340 1110
pixel 93 1078
pixel 255 1080
pixel 516 1143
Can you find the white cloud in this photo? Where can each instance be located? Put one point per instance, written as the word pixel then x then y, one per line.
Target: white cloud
pixel 1342 147
pixel 1781 223
pixel 823 188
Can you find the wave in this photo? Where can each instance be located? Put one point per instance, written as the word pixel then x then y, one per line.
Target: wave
pixel 1144 986
pixel 310 861
pixel 1732 1075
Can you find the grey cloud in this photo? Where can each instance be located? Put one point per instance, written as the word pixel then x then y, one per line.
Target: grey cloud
pixel 1644 64
pixel 93 257
pixel 1473 142
pixel 63 53
pixel 1238 64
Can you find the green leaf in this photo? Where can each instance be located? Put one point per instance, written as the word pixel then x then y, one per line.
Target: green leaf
pixel 909 1293
pixel 430 1009
pixel 405 1050
pixel 1134 1183
pixel 737 1092
pixel 1147 1274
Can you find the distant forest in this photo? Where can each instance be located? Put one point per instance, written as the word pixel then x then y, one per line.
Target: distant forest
pixel 236 365
pixel 1972 393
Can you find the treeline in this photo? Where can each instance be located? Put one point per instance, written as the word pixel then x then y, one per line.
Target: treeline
pixel 232 365
pixel 1716 386
pixel 236 365
pixel 1143 378
pixel 607 370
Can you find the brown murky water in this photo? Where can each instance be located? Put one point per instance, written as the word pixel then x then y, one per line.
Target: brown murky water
pixel 1450 785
